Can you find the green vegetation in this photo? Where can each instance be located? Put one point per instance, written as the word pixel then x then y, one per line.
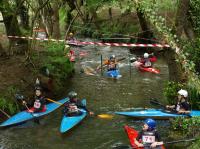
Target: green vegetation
pixel 58 64
pixel 189 126
pixel 170 92
pixel 7 100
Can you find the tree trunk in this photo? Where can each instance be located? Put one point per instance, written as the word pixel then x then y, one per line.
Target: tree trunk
pixel 181 16
pixel 175 72
pixel 46 18
pixel 110 13
pixel 23 14
pixel 2 51
pixel 95 18
pixel 55 19
pixel 145 36
pixel 12 28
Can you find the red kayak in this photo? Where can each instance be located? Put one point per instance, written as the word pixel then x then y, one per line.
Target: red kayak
pixel 132 134
pixel 71 56
pixel 149 69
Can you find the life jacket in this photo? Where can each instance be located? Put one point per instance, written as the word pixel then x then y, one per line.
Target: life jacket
pixel 72 108
pixel 181 105
pixel 148 137
pixel 111 65
pixel 37 104
pixel 147 62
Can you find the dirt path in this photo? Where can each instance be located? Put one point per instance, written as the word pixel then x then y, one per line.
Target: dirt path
pixel 13 72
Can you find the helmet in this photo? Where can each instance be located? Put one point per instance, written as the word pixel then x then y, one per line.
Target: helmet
pixel 183 93
pixel 146 55
pixel 71 34
pixel 37 87
pixel 151 123
pixel 72 94
pixel 112 57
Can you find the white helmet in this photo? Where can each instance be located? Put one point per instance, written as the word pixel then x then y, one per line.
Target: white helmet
pixel 183 93
pixel 146 55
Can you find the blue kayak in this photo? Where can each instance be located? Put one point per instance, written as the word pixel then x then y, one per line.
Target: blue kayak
pixel 25 116
pixel 113 74
pixel 69 122
pixel 156 113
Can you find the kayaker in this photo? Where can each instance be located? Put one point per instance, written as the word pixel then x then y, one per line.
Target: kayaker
pixel 111 63
pixel 71 38
pixel 40 101
pixel 71 108
pixel 146 62
pixel 149 137
pixel 182 106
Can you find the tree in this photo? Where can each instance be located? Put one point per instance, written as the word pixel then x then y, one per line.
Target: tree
pixel 182 22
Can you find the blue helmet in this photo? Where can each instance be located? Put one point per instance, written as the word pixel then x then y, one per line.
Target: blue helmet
pixel 151 123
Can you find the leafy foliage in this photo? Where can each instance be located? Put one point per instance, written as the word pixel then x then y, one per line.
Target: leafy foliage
pixel 56 62
pixel 192 50
pixel 195 17
pixel 170 91
pixel 189 126
pixel 7 101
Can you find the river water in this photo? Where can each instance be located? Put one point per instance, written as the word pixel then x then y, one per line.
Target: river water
pixel 104 96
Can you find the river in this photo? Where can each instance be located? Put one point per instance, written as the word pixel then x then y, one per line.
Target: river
pixel 104 96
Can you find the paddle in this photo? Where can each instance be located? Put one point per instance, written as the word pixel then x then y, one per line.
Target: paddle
pixel 178 141
pixel 105 116
pixel 171 142
pixel 156 102
pixel 5 113
pixel 59 103
pixel 21 97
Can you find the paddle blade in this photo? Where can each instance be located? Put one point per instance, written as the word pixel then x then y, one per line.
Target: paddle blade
pixel 105 116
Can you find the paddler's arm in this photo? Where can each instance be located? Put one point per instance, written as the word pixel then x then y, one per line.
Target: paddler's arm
pixel 138 143
pixel 80 105
pixel 158 141
pixel 155 144
pixel 138 138
pixel 105 63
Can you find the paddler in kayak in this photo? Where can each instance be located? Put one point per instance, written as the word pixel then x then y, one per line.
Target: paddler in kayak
pixel 111 63
pixel 39 104
pixel 145 61
pixel 149 137
pixel 71 108
pixel 182 106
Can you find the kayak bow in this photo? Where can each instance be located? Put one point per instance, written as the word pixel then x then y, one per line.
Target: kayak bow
pixel 156 114
pixel 25 115
pixel 69 122
pixel 132 134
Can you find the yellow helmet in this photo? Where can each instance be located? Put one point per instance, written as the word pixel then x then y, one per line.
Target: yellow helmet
pixel 71 34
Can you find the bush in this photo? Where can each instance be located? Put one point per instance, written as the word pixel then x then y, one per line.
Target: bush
pixel 7 101
pixel 170 91
pixel 189 126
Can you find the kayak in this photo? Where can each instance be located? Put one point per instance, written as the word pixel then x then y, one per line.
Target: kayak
pixel 113 74
pixel 74 43
pixel 156 113
pixel 132 134
pixel 69 122
pixel 149 69
pixel 25 115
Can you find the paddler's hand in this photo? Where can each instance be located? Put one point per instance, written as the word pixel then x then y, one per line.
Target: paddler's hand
pixel 154 144
pixel 24 102
pixel 91 113
pixel 140 145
